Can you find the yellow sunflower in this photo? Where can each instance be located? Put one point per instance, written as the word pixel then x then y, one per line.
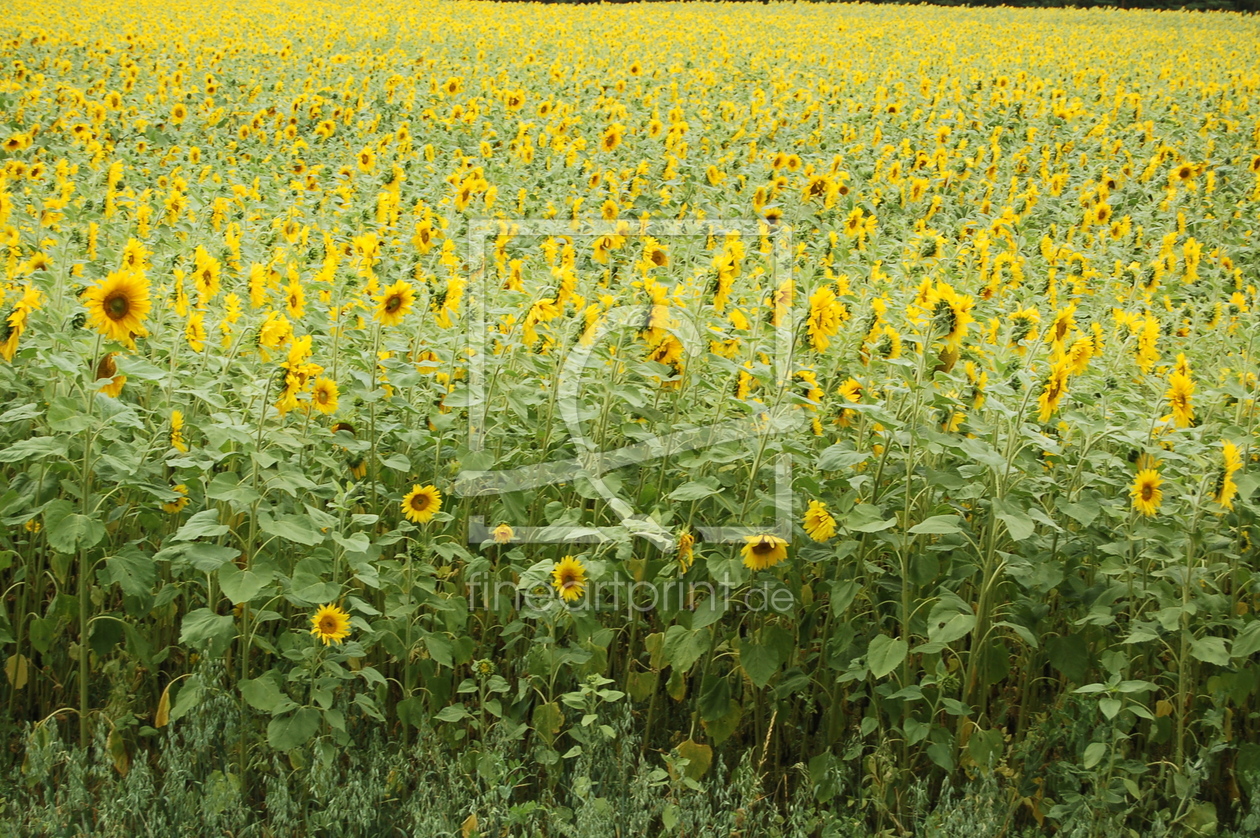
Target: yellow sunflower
pixel 422 503
pixel 117 306
pixel 324 395
pixel 1146 493
pixel 686 550
pixel 503 534
pixel 394 303
pixel 1226 488
pixel 1055 389
pixel 819 525
pixel 568 577
pixel 1179 395
pixel 330 624
pixel 176 506
pixel 763 551
pixel 106 368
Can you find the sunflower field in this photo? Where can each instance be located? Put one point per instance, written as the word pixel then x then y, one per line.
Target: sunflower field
pixel 679 419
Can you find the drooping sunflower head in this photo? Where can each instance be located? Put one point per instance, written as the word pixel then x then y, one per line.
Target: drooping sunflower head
pixel 1226 489
pixel 819 525
pixel 763 551
pixel 422 503
pixel 330 624
pixel 117 306
pixel 568 577
pixel 503 534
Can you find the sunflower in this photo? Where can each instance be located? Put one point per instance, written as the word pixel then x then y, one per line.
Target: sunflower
pixel 826 313
pixel 394 303
pixel 117 306
pixel 106 368
pixel 176 506
pixel 366 160
pixel 422 503
pixel 1054 390
pixel 763 551
pixel 950 314
pixel 568 577
pixel 686 550
pixel 819 525
pixel 1146 493
pixel 177 431
pixel 1180 392
pixel 503 534
pixel 324 395
pixel 330 624
pixel 1226 488
pixel 195 331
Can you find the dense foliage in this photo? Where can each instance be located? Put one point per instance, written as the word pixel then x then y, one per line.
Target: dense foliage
pixel 620 414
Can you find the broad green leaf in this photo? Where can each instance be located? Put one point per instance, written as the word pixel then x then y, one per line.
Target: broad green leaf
pixel 203 628
pixel 759 662
pixel 885 654
pixel 296 528
pixel 1017 521
pixel 937 525
pixel 1247 642
pixel 262 693
pixel 241 585
pixel 695 490
pixel 68 530
pixel 684 647
pixel 1094 753
pixel 205 524
pixel 35 448
pixel 288 732
pixel 1210 650
pixel 132 571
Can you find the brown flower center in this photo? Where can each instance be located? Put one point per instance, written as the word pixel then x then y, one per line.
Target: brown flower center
pixel 117 305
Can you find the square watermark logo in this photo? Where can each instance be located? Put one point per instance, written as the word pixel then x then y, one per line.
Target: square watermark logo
pixel 593 349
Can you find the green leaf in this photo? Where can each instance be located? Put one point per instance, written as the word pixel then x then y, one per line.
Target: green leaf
pixel 841 456
pixel 865 517
pixel 684 647
pixel 208 558
pixel 1017 521
pixel 241 585
pixel 35 448
pixel 1109 707
pixel 695 490
pixel 945 630
pixel 1094 754
pixel 132 571
pixel 296 528
pixel 937 525
pixel 842 595
pixel 1210 650
pixel 454 713
pixel 205 524
pixel 288 732
pixel 1247 642
pixel 188 698
pixel 69 530
pixel 708 612
pixel 227 486
pixel 1070 655
pixel 205 629
pixel 759 662
pixel 262 693
pixel 885 654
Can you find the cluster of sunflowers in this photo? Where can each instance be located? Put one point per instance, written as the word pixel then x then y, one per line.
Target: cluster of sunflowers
pixel 242 286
